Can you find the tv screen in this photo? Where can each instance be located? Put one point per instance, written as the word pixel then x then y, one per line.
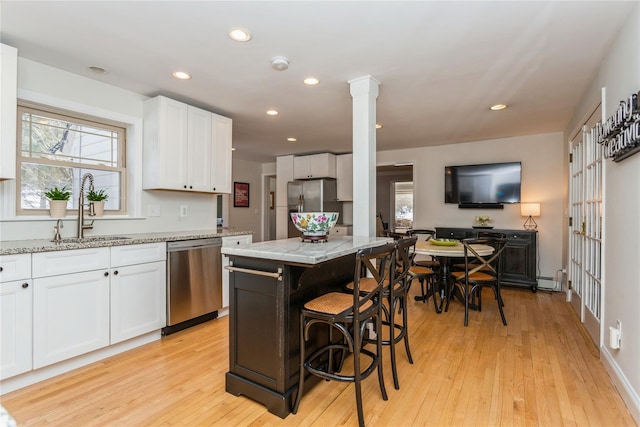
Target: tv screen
pixel 495 183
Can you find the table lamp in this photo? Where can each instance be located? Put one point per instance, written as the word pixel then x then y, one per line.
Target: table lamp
pixel 530 210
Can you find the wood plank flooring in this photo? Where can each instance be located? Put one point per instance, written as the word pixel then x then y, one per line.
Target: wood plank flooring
pixel 541 370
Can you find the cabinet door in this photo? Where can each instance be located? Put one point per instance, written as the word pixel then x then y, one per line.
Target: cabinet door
pixel 284 174
pixel 70 316
pixel 165 144
pixel 138 300
pixel 199 150
pixel 227 242
pixel 344 177
pixel 221 159
pixel 322 165
pixel 15 328
pixel 301 167
pixel 8 92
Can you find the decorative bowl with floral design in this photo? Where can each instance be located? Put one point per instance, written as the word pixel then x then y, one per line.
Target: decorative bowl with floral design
pixel 314 223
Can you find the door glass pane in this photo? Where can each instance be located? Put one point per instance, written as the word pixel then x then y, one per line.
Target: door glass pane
pixel 403 206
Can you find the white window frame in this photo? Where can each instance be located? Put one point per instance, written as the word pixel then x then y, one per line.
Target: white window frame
pixel 133 125
pixel 57 113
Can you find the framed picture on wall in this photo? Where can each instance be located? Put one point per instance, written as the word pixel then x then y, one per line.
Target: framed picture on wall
pixel 240 194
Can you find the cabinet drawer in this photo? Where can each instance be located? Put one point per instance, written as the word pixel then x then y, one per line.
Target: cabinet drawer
pixel 72 261
pixel 341 230
pixel 15 267
pixel 237 240
pixel 138 254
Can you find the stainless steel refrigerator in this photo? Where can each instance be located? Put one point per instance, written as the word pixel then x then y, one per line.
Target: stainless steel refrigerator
pixel 315 195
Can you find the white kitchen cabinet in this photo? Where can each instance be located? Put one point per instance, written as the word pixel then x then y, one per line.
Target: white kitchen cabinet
pixel 180 150
pixel 221 154
pixel 70 303
pixel 8 111
pixel 16 295
pixel 70 316
pixel 341 230
pixel 321 165
pixel 199 150
pixel 344 177
pixel 284 174
pixel 229 242
pixel 138 290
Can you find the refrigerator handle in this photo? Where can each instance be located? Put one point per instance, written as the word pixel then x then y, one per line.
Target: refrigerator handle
pixel 301 203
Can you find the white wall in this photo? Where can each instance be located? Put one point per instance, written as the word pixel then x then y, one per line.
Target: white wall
pixel 46 84
pixel 248 219
pixel 620 75
pixel 542 174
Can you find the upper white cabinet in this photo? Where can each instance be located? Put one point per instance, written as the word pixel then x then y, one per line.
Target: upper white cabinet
pixel 314 166
pixel 185 148
pixel 8 99
pixel 221 160
pixel 344 177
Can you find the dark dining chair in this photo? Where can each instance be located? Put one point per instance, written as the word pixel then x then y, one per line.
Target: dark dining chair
pixel 394 302
pixel 480 272
pixel 426 272
pixel 349 314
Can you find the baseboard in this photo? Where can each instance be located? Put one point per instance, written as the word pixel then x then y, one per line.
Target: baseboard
pixel 628 394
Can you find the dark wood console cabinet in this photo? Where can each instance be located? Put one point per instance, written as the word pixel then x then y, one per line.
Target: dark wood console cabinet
pixel 519 265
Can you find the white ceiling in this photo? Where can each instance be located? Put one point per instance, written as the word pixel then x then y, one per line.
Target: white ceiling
pixel 440 64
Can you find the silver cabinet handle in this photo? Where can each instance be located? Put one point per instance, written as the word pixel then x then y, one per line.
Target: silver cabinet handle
pixel 277 275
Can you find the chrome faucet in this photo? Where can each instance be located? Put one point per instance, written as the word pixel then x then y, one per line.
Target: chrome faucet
pixel 56 237
pixel 81 225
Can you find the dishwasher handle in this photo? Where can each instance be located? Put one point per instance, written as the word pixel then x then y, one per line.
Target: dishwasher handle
pixel 182 245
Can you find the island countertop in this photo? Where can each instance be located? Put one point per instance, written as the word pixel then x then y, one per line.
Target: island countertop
pixel 295 251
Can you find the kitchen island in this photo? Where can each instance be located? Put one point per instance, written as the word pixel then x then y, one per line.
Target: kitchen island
pixel 269 283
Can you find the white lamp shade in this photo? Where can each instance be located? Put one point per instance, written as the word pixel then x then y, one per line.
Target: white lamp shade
pixel 530 209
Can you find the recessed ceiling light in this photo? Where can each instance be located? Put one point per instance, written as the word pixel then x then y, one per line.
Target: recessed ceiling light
pixel 272 112
pixel 378 126
pixel 292 139
pixel 498 107
pixel 97 70
pixel 233 148
pixel 311 81
pixel 239 34
pixel 181 75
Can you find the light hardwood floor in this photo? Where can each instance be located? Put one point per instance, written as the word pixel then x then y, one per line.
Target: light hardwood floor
pixel 540 370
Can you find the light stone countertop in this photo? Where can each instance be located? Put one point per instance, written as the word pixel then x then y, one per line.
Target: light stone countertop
pixel 12 247
pixel 295 251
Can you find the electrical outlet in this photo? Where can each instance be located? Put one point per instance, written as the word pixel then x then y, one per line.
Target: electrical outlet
pixel 154 210
pixel 183 211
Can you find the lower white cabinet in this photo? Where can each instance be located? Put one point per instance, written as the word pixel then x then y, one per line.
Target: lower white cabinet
pixel 15 327
pixel 138 300
pixel 229 242
pixel 70 316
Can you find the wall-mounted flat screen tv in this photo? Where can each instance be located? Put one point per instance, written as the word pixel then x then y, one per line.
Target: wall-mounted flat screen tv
pixel 494 183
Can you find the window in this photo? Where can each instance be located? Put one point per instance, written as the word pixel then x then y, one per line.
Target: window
pixel 56 148
pixel 403 205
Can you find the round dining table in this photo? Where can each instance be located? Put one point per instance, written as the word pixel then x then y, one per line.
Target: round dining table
pixel 446 253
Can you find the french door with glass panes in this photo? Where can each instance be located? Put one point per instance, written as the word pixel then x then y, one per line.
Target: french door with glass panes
pixel 585 233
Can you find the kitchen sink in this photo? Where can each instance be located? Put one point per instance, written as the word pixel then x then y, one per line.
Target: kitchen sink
pixel 91 239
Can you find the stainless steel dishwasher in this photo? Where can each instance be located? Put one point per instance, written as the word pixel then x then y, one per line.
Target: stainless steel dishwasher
pixel 194 282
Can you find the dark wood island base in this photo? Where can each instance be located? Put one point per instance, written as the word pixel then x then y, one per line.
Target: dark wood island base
pixel 264 329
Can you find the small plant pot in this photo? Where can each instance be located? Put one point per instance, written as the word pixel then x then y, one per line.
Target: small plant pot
pixel 98 208
pixel 58 208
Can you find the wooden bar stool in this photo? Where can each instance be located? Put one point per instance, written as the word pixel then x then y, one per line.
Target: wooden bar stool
pixel 349 314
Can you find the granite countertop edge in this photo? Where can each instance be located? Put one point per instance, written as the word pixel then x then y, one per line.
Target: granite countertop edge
pixel 14 247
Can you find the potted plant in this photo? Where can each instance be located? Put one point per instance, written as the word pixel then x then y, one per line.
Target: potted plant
pixel 481 221
pixel 98 198
pixel 58 199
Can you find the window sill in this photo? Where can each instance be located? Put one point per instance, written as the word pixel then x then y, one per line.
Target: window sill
pixel 27 218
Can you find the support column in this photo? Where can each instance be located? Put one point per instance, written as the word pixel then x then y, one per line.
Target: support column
pixel 364 91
